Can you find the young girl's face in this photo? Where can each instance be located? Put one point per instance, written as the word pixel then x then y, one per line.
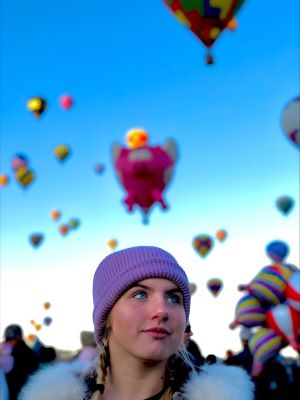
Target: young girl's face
pixel 148 321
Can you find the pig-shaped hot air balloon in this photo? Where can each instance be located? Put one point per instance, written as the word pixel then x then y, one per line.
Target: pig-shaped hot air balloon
pixel 144 173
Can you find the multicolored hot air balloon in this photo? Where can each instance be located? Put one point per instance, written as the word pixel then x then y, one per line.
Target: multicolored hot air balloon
pixel 248 312
pixel 285 321
pixel 66 101
pixel 203 244
pixel 62 152
pixel 36 239
pixel 37 106
pixel 20 160
pixel 144 172
pixel 292 290
pixel 285 204
pixel 215 285
pixel 205 18
pixel 136 137
pixel 277 250
pixel 290 121
pixel 24 175
pixel 264 345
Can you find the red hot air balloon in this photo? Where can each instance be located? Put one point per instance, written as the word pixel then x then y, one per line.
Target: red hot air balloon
pixel 144 173
pixel 205 18
pixel 66 101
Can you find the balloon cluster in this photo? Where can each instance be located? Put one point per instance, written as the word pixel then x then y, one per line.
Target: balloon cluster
pixel 47 321
pixel 64 228
pixel 37 105
pixel 271 307
pixel 203 243
pixel 23 173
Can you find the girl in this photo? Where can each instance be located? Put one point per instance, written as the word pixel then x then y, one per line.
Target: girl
pixel 141 309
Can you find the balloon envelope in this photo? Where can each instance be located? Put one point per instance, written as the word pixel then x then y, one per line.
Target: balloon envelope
pixel 203 244
pixel 36 239
pixel 136 137
pixel 215 285
pixel 112 244
pixel 37 105
pixel 290 121
pixel 55 215
pixel 61 152
pixel 277 250
pixel 66 101
pixel 285 204
pixel 292 291
pixel 47 321
pixel 4 179
pixel 221 235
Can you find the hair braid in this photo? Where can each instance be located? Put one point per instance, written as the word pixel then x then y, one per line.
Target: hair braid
pixel 104 361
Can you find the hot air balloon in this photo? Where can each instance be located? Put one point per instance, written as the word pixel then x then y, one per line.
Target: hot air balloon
pixel 193 288
pixel 285 204
pixel 264 345
pixel 55 215
pixel 290 121
pixel 203 244
pixel 47 305
pixel 4 179
pixel 248 312
pixel 36 239
pixel 24 176
pixel 136 137
pixel 66 101
pixel 99 168
pixel 37 106
pixel 292 290
pixel 61 152
pixel 221 235
pixel 144 173
pixel 63 229
pixel 38 327
pixel 47 321
pixel 112 244
pixel 205 18
pixel 215 286
pixel 19 161
pixel 277 250
pixel 74 223
pixel 285 321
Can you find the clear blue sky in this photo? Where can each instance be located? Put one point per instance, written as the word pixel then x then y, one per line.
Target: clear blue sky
pixel 131 63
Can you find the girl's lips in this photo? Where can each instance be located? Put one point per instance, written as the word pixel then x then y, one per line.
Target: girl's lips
pixel 157 334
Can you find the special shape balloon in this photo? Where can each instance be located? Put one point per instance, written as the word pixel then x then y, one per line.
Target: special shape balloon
pixel 290 121
pixel 203 244
pixel 205 18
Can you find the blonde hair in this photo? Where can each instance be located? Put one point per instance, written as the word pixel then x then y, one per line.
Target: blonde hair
pixel 104 361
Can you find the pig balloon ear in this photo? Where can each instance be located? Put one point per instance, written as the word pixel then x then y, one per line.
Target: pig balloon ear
pixel 115 150
pixel 171 148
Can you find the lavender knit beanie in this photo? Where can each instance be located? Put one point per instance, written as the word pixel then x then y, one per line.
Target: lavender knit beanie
pixel 118 271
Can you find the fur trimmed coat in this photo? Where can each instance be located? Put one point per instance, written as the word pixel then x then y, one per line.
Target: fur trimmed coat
pixel 66 381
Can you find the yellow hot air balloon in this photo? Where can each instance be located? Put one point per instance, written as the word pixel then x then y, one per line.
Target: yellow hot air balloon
pixel 37 106
pixel 112 244
pixel 61 152
pixel 136 137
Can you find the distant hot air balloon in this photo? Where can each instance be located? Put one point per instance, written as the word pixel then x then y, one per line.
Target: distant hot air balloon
pixel 277 250
pixel 47 305
pixel 99 168
pixel 285 204
pixel 203 244
pixel 55 215
pixel 193 288
pixel 215 286
pixel 232 24
pixel 74 223
pixel 36 239
pixel 112 244
pixel 62 152
pixel 37 106
pixel 205 18
pixel 47 321
pixel 136 137
pixel 38 327
pixel 19 161
pixel 144 172
pixel 290 121
pixel 4 179
pixel 63 229
pixel 24 176
pixel 66 101
pixel 221 235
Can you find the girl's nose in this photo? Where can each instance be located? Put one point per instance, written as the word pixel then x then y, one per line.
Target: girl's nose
pixel 159 309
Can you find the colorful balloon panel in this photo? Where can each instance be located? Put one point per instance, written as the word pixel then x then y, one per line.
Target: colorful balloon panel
pixel 285 321
pixel 264 345
pixel 285 204
pixel 290 121
pixel 249 312
pixel 277 250
pixel 292 291
pixel 203 244
pixel 215 285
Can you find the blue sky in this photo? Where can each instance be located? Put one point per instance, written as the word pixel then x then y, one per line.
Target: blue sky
pixel 130 63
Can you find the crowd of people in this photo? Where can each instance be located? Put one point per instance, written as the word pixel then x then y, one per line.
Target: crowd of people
pixel 155 346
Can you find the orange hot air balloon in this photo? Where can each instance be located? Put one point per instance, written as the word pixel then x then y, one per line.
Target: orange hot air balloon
pixel 55 215
pixel 136 137
pixel 221 235
pixel 112 244
pixel 38 327
pixel 46 305
pixel 232 24
pixel 63 229
pixel 4 179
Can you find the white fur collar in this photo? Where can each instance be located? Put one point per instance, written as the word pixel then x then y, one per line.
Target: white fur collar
pixel 63 381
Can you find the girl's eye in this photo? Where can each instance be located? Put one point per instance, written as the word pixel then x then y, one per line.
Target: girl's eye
pixel 141 294
pixel 174 298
